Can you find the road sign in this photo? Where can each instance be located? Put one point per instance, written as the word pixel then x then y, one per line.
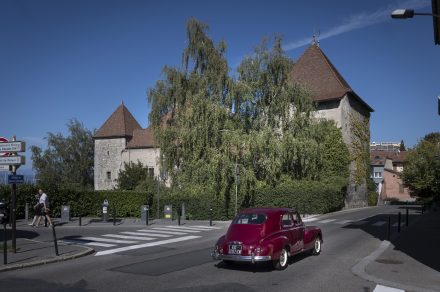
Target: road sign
pixel 12 160
pixel 4 167
pixel 16 146
pixel 15 179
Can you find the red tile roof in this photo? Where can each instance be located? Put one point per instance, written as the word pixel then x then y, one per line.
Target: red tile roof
pixel 314 71
pixel 142 138
pixel 120 124
pixel 378 157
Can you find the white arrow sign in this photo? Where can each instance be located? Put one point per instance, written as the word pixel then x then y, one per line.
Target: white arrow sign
pixel 12 160
pixel 16 146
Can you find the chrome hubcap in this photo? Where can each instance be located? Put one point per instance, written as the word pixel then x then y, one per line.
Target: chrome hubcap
pixel 283 258
pixel 317 245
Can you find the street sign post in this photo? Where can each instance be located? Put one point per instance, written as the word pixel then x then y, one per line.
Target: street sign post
pixel 17 146
pixel 15 179
pixel 12 160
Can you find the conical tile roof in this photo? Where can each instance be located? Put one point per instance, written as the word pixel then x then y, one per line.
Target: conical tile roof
pixel 314 71
pixel 120 124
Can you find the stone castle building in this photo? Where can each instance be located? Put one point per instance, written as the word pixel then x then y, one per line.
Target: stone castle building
pixel 121 138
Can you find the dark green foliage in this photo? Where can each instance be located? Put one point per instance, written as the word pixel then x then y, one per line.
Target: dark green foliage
pixel 421 173
pixel 67 161
pixel 132 175
pixel 258 124
pixel 372 192
pixel 402 146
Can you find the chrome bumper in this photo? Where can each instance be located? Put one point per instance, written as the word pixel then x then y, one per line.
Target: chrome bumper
pixel 240 258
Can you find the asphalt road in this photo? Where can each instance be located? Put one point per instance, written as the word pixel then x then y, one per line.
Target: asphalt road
pixel 186 265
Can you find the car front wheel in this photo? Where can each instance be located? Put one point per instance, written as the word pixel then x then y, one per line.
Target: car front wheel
pixel 317 246
pixel 282 262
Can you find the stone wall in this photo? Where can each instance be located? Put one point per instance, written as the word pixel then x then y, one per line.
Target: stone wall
pixel 108 158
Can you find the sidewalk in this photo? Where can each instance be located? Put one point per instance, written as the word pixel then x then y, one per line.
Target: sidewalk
pixel 411 260
pixel 33 253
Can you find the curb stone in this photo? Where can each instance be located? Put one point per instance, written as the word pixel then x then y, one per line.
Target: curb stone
pixel 47 261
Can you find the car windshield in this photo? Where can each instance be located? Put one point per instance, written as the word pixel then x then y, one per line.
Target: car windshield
pixel 249 219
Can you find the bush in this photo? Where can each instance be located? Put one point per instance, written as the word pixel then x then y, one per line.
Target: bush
pixel 372 198
pixel 305 196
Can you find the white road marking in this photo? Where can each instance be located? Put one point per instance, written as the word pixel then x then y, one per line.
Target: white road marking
pixel 207 227
pixel 106 240
pixel 344 222
pixel 380 223
pixel 165 232
pixel 129 237
pixel 359 222
pixel 326 221
pixel 131 247
pixel 175 230
pixel 184 228
pixel 88 243
pixel 380 288
pixel 310 220
pixel 146 233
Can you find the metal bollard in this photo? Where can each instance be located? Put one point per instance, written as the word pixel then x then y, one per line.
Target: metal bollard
pixel 147 215
pixel 55 240
pixel 407 217
pixel 210 216
pixel 26 213
pixel 398 222
pixel 79 221
pixel 114 215
pixel 45 221
pixel 389 227
pixel 178 216
pixel 5 247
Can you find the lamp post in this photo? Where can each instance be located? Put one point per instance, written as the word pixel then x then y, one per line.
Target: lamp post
pixel 409 13
pixel 237 177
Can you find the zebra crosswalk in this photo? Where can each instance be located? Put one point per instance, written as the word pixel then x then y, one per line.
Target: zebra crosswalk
pixel 349 222
pixel 141 238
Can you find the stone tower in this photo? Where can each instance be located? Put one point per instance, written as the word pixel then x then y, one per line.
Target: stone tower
pixel 110 143
pixel 337 101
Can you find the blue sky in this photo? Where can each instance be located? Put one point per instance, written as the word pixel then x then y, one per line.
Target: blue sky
pixel 80 59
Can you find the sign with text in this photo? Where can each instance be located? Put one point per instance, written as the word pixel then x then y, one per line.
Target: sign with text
pixel 12 160
pixel 15 179
pixel 16 146
pixel 4 167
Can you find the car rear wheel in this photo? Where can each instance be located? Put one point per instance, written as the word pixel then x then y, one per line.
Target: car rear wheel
pixel 317 245
pixel 282 262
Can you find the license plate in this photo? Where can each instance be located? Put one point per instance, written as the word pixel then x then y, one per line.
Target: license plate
pixel 234 249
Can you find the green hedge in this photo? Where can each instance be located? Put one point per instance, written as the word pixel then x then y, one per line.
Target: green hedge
pixel 309 197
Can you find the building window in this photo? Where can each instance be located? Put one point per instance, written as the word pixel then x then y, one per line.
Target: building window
pixel 150 172
pixel 109 175
pixel 377 174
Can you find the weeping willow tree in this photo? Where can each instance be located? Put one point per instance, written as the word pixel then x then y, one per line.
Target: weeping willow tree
pixel 212 128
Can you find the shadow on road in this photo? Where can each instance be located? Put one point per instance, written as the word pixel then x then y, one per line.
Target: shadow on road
pixel 22 284
pixel 19 234
pixel 419 241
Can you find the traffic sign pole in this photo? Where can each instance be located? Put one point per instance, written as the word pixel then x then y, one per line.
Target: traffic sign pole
pixel 14 203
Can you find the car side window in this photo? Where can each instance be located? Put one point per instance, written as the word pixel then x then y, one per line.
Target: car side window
pixel 286 220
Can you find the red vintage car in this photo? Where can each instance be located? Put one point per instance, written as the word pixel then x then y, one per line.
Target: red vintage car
pixel 267 235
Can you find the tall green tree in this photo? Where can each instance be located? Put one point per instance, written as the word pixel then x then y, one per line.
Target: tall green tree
pixel 258 126
pixel 66 161
pixel 422 169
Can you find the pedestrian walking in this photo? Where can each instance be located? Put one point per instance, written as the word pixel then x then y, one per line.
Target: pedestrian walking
pixel 44 203
pixel 36 209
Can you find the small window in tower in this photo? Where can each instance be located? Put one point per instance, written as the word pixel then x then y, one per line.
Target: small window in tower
pixel 151 172
pixel 109 175
pixel 108 153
